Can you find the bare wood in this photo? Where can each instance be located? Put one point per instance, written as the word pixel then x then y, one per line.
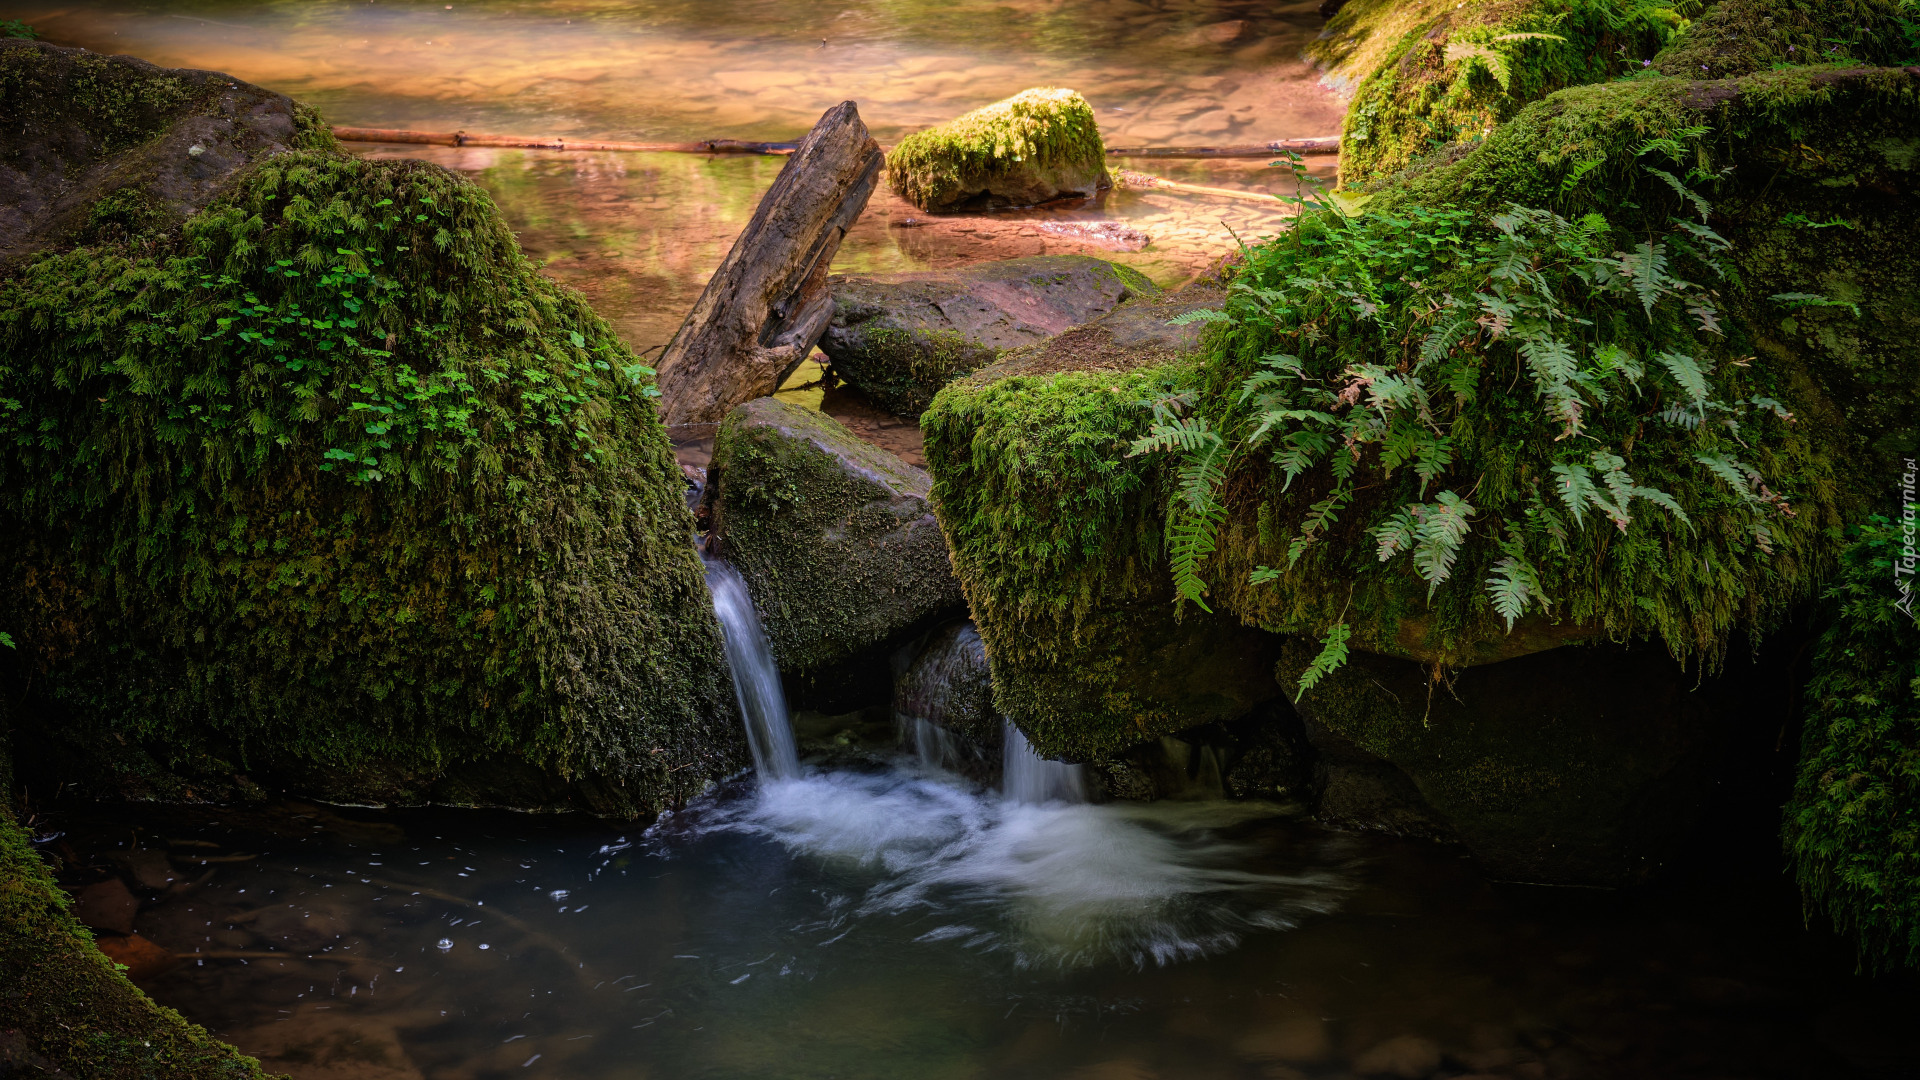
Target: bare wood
pixel 768 303
pixel 1326 144
pixel 463 138
pixel 1129 178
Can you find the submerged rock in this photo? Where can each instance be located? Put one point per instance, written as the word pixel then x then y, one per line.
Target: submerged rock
pixel 1033 147
pixel 901 337
pixel 68 1011
pixel 326 485
pixel 837 544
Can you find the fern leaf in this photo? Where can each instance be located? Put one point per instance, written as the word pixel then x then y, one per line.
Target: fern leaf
pixel 1333 654
pixel 1576 490
pixel 1202 315
pixel 1396 534
pixel 1686 371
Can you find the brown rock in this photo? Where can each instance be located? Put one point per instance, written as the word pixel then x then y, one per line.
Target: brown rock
pixel 143 958
pixel 149 868
pixel 107 905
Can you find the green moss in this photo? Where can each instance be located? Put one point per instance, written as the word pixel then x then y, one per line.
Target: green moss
pixel 68 1010
pixel 1740 37
pixel 332 485
pixel 1852 827
pixel 902 370
pixel 1434 74
pixel 1046 133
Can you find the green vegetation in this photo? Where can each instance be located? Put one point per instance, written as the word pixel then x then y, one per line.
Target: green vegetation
pixel 1027 148
pixel 1555 400
pixel 1853 826
pixel 1432 74
pixel 14 28
pixel 67 1010
pixel 332 484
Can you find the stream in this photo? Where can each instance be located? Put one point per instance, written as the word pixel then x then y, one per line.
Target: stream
pixel 865 913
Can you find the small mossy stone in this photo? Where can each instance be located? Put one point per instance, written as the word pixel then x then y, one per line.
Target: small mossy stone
pixel 900 337
pixel 67 1010
pixel 837 543
pixel 1033 147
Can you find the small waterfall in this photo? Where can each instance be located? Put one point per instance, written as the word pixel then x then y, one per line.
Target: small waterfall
pixel 1026 777
pixel 935 746
pixel 756 682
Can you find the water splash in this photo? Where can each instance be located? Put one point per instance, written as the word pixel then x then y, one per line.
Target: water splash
pixel 756 681
pixel 1026 777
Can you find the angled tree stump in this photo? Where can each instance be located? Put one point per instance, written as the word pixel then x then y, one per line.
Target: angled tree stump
pixel 768 303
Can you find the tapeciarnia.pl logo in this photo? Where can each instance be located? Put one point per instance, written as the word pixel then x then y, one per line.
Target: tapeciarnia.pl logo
pixel 1909 555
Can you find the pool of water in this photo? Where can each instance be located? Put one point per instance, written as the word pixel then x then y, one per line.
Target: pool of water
pixel 641 233
pixel 894 922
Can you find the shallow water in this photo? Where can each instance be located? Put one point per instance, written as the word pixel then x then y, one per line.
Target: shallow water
pixel 896 922
pixel 641 233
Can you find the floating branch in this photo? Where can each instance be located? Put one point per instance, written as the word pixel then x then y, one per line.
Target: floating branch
pixel 525 142
pixel 1329 144
pixel 1129 179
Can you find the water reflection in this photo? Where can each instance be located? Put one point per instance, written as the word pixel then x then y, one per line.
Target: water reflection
pixel 1211 70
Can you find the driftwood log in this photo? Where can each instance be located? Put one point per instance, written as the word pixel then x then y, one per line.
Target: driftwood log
pixel 760 315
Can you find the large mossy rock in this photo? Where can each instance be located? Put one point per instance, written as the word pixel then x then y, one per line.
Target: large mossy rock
pixel 1061 530
pixel 328 487
pixel 1579 766
pixel 1034 147
pixel 1030 479
pixel 1424 75
pixel 67 1010
pixel 901 337
pixel 108 147
pixel 837 543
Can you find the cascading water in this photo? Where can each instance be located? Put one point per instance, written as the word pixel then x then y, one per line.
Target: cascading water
pixel 756 681
pixel 1026 777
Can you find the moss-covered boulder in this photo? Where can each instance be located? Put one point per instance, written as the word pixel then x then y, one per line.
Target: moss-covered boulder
pixel 108 147
pixel 1620 370
pixel 837 544
pixel 328 487
pixel 67 1010
pixel 901 337
pixel 1853 824
pixel 1425 75
pixel 1034 147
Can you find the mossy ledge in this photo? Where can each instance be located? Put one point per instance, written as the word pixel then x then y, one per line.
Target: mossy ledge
pixel 67 1010
pixel 1431 74
pixel 330 488
pixel 1055 529
pixel 1034 146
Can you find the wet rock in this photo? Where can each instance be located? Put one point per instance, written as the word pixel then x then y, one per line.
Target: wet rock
pixel 1034 147
pixel 160 142
pixel 1133 335
pixel 1582 765
pixel 1408 1057
pixel 901 337
pixel 837 544
pixel 1263 755
pixel 948 684
pixel 107 905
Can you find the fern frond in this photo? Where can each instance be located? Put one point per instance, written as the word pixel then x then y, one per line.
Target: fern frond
pixel 1686 371
pixel 1576 490
pixel 1333 654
